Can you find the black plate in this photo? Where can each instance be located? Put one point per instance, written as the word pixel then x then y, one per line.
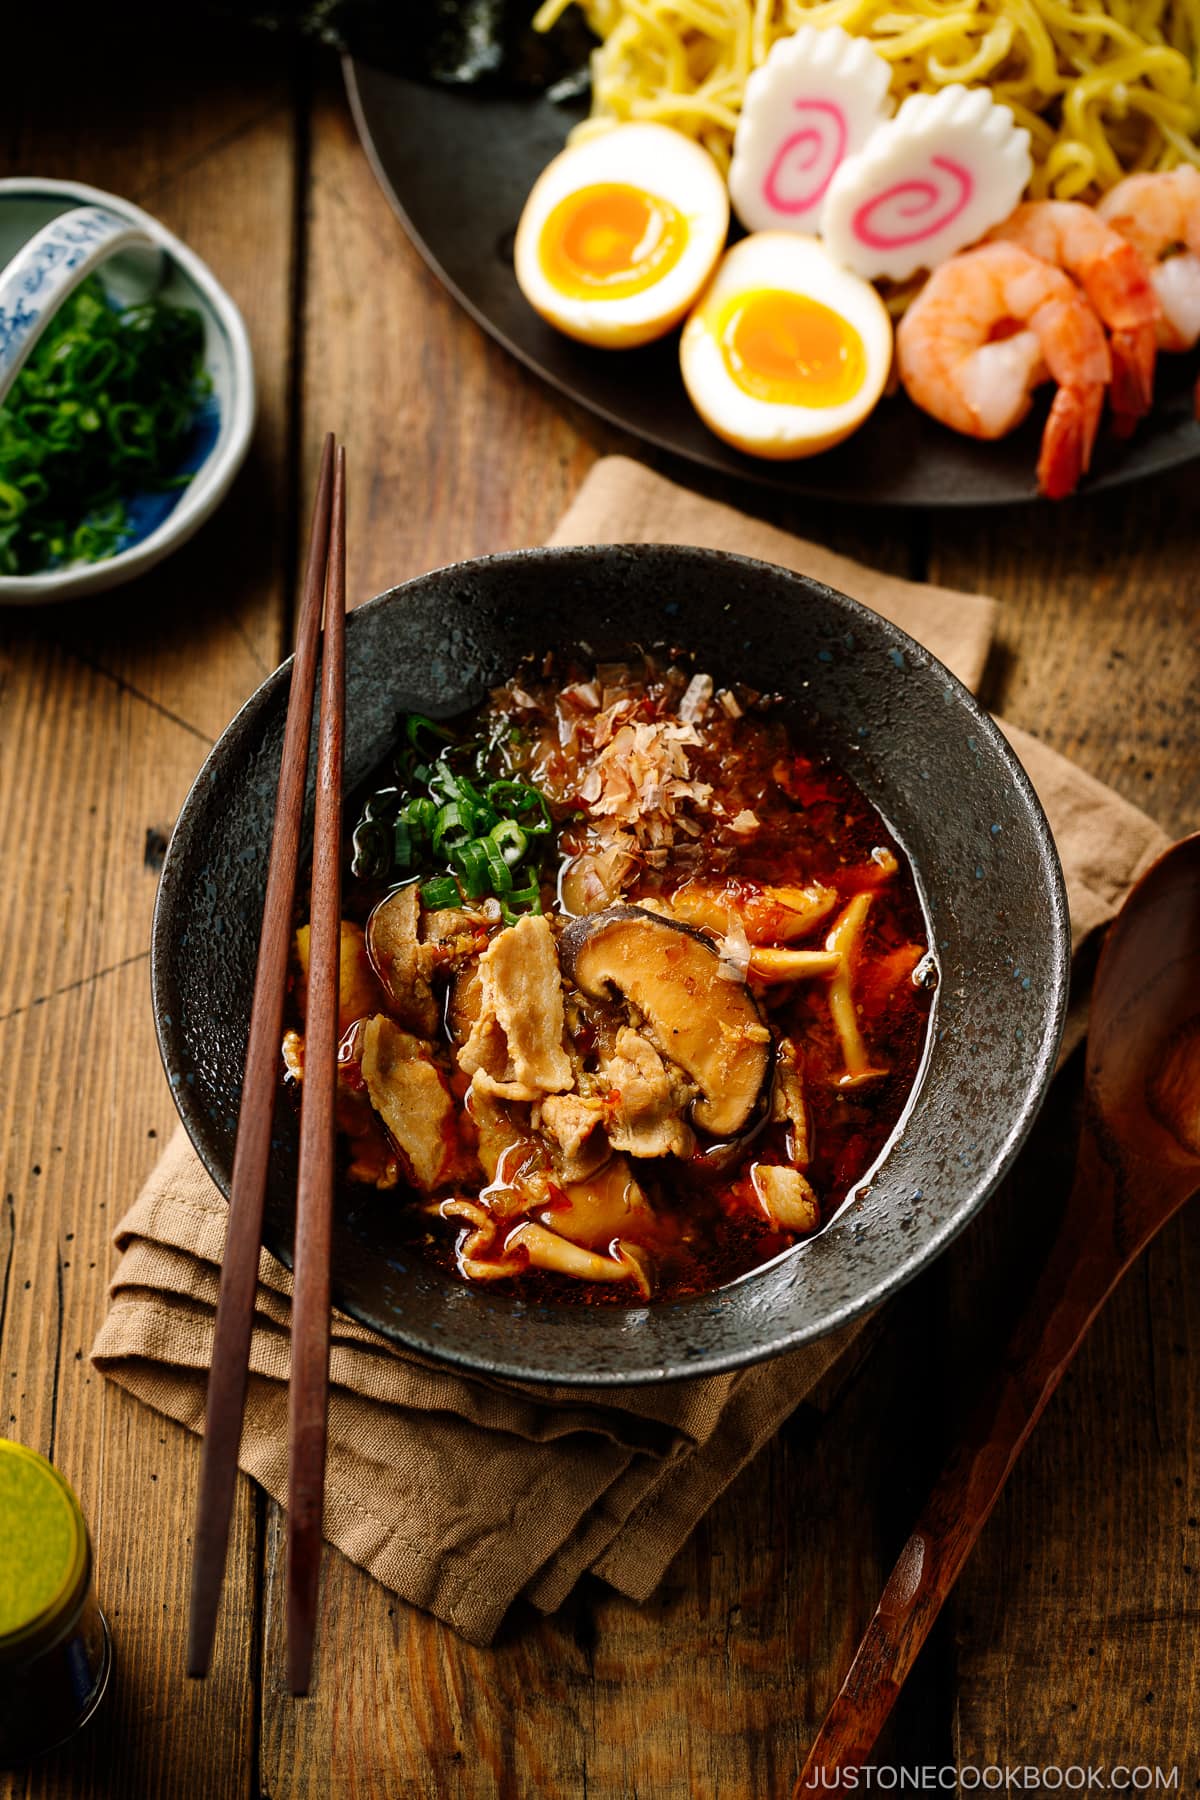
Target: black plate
pixel 925 755
pixel 457 166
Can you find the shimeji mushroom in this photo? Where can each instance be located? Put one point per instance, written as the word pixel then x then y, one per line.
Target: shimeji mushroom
pixel 768 912
pixel 844 939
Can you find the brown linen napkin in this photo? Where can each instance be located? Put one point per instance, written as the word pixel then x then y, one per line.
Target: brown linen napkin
pixel 462 1493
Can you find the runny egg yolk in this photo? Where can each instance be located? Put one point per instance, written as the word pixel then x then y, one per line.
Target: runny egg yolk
pixel 791 350
pixel 610 240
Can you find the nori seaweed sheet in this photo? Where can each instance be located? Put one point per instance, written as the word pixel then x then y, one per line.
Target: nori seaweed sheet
pixel 481 43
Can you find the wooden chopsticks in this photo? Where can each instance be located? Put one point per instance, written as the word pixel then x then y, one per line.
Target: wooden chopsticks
pixel 308 1394
pixel 324 582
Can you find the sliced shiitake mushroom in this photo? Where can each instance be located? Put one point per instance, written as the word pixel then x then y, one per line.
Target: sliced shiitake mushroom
pixel 704 1019
pixel 401 961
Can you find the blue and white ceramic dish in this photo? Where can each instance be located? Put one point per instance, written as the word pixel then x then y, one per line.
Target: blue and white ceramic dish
pixel 52 235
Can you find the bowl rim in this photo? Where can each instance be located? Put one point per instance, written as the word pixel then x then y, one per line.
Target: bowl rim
pixel 907 1266
pixel 212 480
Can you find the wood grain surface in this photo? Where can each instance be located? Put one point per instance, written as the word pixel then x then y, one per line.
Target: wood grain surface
pixel 1073 1637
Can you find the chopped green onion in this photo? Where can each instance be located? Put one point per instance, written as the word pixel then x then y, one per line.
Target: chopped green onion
pixel 522 798
pixel 483 831
pixel 421 816
pixel 499 873
pixel 417 726
pixel 470 864
pixel 510 840
pixel 509 795
pixel 529 899
pixel 443 891
pixel 542 824
pixel 454 826
pixel 102 409
pixel 454 787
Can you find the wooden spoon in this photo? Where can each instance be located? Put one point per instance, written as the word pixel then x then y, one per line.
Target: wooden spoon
pixel 1139 1160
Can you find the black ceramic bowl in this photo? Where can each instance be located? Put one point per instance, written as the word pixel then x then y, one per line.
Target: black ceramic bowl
pixel 919 747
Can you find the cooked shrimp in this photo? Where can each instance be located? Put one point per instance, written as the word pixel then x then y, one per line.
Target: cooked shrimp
pixel 1116 279
pixel 1160 216
pixel 988 327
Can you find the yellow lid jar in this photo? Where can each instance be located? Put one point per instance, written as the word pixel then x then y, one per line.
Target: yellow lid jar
pixel 55 1651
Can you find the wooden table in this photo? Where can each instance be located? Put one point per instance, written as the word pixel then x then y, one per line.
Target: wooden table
pixel 1073 1636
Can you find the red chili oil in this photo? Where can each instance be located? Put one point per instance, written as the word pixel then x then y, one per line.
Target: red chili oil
pixel 814 825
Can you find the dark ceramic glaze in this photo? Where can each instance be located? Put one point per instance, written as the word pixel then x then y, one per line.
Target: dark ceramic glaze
pixel 457 166
pixel 921 750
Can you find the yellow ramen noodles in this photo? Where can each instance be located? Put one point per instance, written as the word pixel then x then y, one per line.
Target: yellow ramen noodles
pixel 1104 89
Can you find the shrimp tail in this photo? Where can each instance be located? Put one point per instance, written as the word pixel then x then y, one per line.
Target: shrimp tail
pixel 1067 440
pixel 1133 354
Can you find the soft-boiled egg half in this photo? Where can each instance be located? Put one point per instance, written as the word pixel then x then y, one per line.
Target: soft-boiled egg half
pixel 787 352
pixel 620 234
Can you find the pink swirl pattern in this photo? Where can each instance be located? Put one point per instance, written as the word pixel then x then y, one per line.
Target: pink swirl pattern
pixel 914 199
pixel 820 145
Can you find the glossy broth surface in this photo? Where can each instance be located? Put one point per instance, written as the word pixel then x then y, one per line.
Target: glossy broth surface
pixel 752 815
